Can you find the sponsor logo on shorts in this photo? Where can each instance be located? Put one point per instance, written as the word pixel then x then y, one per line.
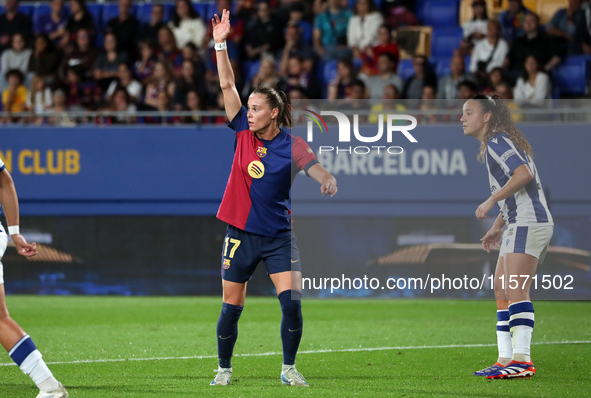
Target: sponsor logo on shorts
pixel 256 169
pixel 226 263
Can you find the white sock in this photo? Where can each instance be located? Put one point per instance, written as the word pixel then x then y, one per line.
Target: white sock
pixel 522 326
pixel 30 361
pixel 504 337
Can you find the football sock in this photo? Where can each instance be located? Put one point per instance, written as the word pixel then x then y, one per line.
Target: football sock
pixel 504 337
pixel 29 359
pixel 291 324
pixel 522 326
pixel 227 332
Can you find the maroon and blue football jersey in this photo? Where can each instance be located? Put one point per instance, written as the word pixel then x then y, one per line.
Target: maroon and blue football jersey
pixel 257 197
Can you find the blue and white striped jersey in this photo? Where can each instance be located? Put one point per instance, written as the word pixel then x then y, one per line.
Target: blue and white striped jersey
pixel 527 206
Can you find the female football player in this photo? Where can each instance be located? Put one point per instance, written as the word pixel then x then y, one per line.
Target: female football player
pixel 515 186
pixel 255 206
pixel 19 345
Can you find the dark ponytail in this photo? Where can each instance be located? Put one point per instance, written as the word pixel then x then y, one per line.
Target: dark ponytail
pixel 277 99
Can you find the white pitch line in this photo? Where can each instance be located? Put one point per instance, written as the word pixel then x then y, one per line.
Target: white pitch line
pixel 267 354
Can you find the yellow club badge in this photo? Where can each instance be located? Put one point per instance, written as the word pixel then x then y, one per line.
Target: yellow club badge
pixel 226 263
pixel 256 169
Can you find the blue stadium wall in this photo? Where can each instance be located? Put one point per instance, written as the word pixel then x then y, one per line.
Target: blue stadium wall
pixel 137 205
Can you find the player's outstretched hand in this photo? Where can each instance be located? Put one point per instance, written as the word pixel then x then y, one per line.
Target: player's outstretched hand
pixel 491 239
pixel 482 211
pixel 221 29
pixel 22 247
pixel 328 188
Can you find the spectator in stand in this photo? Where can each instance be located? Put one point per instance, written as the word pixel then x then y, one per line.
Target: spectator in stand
pixel 149 32
pixel 125 80
pixel 386 75
pixel 428 103
pixel 489 53
pixel 80 19
pixel 14 97
pixel 475 29
pixel 424 76
pixel 12 22
pixel 39 98
pixel 263 34
pixel 189 80
pixel 144 67
pixel 391 95
pixel 362 31
pixel 512 20
pixel 296 17
pixel 82 57
pixel 125 28
pixel 16 57
pixel 385 45
pixel 169 51
pixel 162 80
pixel 186 24
pixel 45 59
pixel 81 94
pixel 330 32
pixel 496 76
pixel 340 87
pixel 193 104
pixel 534 87
pixel 121 101
pixel 266 76
pixel 106 66
pixel 191 53
pixel 505 91
pixel 535 42
pixel 354 101
pixel 57 116
pixel 54 24
pixel 295 75
pixel 467 89
pixel 568 25
pixel 448 85
pixel 295 47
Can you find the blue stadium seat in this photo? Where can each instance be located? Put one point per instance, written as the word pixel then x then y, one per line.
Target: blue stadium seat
pixel 144 13
pixel 202 9
pixel 251 68
pixel 442 68
pixel 420 8
pixel 40 11
pixel 26 9
pixel 571 76
pixel 307 30
pixel 168 11
pixel 444 41
pixel 96 10
pixel 406 69
pixel 329 71
pixel 440 13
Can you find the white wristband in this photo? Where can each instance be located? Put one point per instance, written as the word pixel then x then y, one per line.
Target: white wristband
pixel 14 230
pixel 220 46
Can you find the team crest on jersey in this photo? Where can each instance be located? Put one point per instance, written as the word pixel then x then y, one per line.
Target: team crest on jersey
pixel 261 152
pixel 256 169
pixel 226 263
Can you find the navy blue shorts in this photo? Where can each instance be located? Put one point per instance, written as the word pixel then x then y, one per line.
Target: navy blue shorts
pixel 242 251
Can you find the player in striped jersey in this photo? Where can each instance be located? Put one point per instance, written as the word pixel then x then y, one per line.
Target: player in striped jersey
pixel 19 345
pixel 515 186
pixel 256 206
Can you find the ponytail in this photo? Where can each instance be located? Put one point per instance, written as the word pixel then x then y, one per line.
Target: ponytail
pixel 277 99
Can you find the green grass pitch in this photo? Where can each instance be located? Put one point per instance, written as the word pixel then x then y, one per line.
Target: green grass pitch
pixel 114 347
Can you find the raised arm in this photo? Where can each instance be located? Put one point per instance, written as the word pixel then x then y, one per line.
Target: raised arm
pixel 9 202
pixel 221 30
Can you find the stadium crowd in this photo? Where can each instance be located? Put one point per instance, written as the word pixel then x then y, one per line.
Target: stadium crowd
pixel 66 60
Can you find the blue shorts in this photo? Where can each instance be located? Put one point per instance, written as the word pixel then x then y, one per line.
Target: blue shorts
pixel 242 251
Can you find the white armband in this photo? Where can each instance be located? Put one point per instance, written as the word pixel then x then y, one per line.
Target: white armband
pixel 13 230
pixel 220 46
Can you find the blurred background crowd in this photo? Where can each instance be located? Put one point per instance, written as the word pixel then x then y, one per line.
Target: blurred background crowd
pixel 126 56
